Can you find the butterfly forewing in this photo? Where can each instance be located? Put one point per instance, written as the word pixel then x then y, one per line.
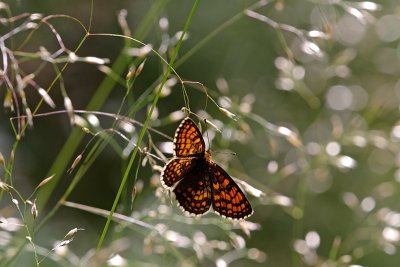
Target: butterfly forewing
pixel 227 198
pixel 175 170
pixel 193 193
pixel 188 140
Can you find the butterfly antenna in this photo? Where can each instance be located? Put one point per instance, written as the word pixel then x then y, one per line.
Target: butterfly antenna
pixel 226 153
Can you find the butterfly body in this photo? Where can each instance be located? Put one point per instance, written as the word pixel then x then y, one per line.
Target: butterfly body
pixel 199 183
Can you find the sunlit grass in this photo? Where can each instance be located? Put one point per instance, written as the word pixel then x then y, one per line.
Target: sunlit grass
pixel 315 151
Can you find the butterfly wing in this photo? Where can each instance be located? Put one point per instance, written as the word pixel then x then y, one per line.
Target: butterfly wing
pixel 193 192
pixel 188 141
pixel 228 199
pixel 175 170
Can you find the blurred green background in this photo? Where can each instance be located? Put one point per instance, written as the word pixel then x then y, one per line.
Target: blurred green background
pixel 315 89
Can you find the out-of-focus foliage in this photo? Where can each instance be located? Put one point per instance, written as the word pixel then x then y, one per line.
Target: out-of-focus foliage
pixel 302 100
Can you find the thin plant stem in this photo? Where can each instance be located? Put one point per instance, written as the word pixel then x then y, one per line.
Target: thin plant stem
pixel 144 128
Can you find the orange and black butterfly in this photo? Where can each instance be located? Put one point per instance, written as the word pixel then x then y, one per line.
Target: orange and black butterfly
pixel 201 183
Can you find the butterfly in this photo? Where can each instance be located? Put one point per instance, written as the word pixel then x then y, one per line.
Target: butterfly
pixel 197 182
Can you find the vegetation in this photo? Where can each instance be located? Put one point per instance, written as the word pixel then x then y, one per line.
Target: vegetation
pixel 297 100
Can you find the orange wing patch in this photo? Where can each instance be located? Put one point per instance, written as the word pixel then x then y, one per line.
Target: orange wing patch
pixel 188 141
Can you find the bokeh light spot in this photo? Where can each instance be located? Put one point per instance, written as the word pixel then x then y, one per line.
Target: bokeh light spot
pixel 387 28
pixel 339 97
pixel 396 132
pixel 368 204
pixel 349 30
pixel 272 167
pixel 391 234
pixel 312 239
pixel 346 162
pixel 350 199
pixel 381 161
pixel 313 148
pixel 333 148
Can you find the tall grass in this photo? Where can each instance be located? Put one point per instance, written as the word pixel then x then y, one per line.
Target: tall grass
pixel 315 150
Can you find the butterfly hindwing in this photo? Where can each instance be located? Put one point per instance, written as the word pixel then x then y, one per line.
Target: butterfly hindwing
pixel 188 140
pixel 175 170
pixel 193 192
pixel 227 198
